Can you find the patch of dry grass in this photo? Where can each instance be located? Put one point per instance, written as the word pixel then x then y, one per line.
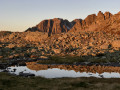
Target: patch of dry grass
pixel 10 82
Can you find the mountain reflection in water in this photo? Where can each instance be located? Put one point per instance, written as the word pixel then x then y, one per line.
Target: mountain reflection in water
pixel 59 71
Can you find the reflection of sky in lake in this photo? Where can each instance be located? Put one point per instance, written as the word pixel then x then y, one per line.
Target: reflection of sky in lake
pixel 59 73
pixel 1 70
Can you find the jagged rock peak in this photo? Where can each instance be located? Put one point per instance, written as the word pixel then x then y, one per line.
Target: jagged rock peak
pixel 76 21
pixel 90 18
pixel 101 21
pixel 100 13
pixel 52 26
pixel 100 16
pixel 107 15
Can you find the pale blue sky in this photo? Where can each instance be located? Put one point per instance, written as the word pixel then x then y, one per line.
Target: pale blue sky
pixel 18 15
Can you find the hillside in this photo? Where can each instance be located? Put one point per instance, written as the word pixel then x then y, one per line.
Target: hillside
pixel 97 35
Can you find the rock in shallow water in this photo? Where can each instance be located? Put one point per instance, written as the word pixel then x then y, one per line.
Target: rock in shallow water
pixel 26 74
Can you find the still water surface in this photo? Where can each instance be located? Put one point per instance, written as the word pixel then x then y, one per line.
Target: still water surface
pixel 60 73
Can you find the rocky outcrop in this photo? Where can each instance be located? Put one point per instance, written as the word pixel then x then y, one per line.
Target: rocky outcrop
pixel 102 21
pixel 90 19
pixel 71 43
pixel 100 16
pixel 52 26
pixel 97 23
pixel 107 15
pixel 116 43
pixel 82 24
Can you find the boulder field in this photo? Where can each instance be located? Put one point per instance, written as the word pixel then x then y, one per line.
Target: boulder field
pixel 96 34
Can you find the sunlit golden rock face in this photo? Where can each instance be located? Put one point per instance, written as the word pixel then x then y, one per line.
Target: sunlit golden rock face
pixel 52 26
pixel 100 22
pixel 78 68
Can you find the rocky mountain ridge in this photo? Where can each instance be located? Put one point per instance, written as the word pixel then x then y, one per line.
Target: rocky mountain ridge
pixel 90 37
pixel 102 21
pixel 52 26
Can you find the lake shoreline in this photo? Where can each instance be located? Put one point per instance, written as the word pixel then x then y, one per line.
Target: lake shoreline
pixel 23 63
pixel 8 81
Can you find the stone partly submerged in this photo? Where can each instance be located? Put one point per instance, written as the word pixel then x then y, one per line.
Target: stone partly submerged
pixel 26 74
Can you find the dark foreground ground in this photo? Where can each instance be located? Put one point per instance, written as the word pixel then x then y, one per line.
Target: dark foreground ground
pixel 10 82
